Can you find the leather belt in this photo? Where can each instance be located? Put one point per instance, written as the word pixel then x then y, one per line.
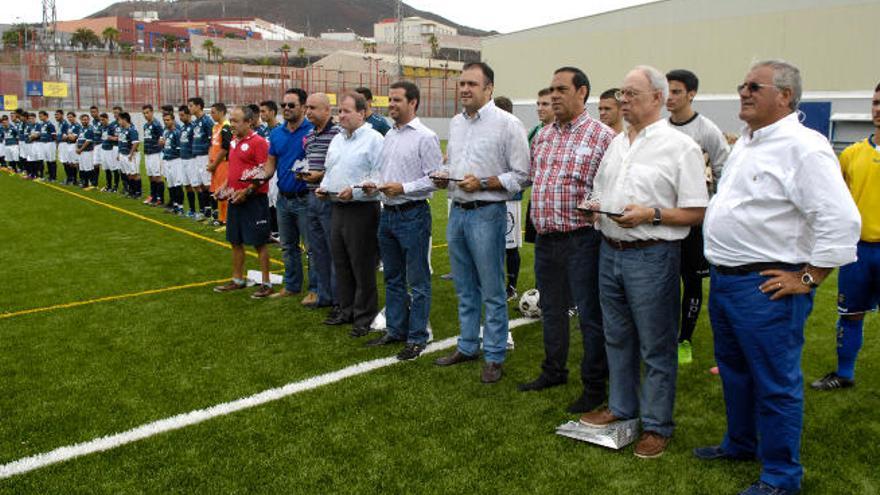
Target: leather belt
pixel 409 205
pixel 755 268
pixel 624 245
pixel 472 205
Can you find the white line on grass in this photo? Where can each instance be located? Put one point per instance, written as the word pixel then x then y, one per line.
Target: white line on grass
pixel 108 442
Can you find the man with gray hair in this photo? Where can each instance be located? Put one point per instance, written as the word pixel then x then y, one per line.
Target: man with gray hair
pixel 651 183
pixel 782 219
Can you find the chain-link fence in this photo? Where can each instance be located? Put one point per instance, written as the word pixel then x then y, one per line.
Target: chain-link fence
pixel 130 81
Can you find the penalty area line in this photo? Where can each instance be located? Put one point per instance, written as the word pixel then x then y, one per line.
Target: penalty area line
pixel 61 454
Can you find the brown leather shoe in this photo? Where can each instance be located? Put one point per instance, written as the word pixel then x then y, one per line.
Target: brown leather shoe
pixel 651 445
pixel 229 286
pixel 454 358
pixel 599 419
pixel 282 293
pixel 263 292
pixel 311 299
pixel 491 373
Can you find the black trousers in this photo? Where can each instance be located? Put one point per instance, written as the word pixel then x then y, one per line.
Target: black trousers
pixel 354 247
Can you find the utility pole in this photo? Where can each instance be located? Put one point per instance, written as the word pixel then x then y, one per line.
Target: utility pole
pixel 398 38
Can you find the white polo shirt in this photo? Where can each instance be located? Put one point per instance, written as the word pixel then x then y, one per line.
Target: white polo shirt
pixel 782 198
pixel 661 168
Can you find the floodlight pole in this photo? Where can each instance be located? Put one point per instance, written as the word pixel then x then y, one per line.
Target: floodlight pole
pixel 398 38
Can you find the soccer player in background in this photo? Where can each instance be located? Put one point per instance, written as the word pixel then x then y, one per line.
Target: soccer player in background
pixel 858 283
pixel 128 154
pixel 153 156
pixel 221 136
pixel 202 127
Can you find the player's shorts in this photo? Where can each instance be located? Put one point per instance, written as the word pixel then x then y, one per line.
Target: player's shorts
pixel 3 150
pixel 87 161
pixel 98 156
pixel 24 149
pixel 49 151
pixel 273 191
pixel 128 165
pixel 858 283
pixel 184 172
pixel 111 158
pixel 174 175
pixel 11 152
pixel 201 165
pixel 513 235
pixel 220 175
pixel 67 152
pixel 693 261
pixel 248 222
pixel 153 164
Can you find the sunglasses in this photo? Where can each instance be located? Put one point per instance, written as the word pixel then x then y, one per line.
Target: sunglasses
pixel 289 105
pixel 752 87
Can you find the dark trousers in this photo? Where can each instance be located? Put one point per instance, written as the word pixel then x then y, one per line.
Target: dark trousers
pixel 353 242
pixel 569 264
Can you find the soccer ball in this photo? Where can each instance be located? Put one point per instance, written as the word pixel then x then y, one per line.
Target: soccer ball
pixel 530 303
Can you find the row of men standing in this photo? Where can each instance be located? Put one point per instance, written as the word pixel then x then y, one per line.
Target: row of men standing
pixel 782 219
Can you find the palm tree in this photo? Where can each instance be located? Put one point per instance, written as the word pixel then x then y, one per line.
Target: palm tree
pixel 369 47
pixel 218 53
pixel 435 46
pixel 208 46
pixel 301 55
pixel 110 35
pixel 85 37
pixel 285 49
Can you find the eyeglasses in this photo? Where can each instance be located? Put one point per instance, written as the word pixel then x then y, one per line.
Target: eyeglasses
pixel 289 105
pixel 628 93
pixel 752 87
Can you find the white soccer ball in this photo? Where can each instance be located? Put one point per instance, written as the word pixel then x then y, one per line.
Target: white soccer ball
pixel 530 303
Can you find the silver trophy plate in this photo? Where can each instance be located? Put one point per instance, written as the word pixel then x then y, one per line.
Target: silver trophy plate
pixel 614 436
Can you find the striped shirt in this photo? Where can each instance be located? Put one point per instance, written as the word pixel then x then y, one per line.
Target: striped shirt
pixel 316 147
pixel 410 154
pixel 565 159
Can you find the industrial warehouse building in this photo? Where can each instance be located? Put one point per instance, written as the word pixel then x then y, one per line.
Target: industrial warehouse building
pixel 833 42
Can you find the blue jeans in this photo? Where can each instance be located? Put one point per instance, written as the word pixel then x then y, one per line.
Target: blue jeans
pixel 758 345
pixel 568 263
pixel 403 241
pixel 292 224
pixel 639 292
pixel 319 213
pixel 476 256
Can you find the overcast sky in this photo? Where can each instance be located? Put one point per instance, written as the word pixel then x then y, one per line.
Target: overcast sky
pixel 480 14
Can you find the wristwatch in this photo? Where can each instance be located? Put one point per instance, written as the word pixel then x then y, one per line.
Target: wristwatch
pixel 657 217
pixel 484 184
pixel 807 279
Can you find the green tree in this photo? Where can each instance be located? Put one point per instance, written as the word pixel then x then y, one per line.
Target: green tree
pixel 19 35
pixel 85 37
pixel 301 55
pixel 208 46
pixel 369 47
pixel 110 35
pixel 435 46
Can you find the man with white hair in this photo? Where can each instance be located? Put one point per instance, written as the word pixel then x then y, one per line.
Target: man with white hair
pixel 782 219
pixel 651 181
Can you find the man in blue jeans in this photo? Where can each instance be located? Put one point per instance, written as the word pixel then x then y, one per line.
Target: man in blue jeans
pixel 410 155
pixel 565 158
pixel 651 181
pixel 488 163
pixel 782 219
pixel 319 212
pixel 287 156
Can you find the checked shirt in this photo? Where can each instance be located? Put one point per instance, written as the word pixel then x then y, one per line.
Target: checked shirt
pixel 565 160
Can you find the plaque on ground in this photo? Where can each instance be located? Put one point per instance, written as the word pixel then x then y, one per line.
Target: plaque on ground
pixel 615 436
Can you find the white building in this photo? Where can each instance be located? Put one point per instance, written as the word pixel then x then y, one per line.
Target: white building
pixel 269 30
pixel 343 36
pixel 415 30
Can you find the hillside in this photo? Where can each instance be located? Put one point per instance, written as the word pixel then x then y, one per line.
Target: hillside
pixel 305 16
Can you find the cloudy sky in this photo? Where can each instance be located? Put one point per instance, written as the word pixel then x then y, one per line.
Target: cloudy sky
pixel 482 14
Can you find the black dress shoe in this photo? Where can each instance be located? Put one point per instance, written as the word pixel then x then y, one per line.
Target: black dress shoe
pixel 586 403
pixel 384 340
pixel 335 317
pixel 540 383
pixel 359 332
pixel 455 358
pixel 491 373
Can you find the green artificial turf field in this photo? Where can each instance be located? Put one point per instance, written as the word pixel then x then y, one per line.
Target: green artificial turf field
pixel 74 373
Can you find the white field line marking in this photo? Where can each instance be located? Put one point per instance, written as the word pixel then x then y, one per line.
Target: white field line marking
pixel 179 421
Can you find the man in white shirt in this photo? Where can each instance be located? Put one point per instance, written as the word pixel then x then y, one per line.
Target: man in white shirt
pixel 781 221
pixel 651 181
pixel 488 163
pixel 352 160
